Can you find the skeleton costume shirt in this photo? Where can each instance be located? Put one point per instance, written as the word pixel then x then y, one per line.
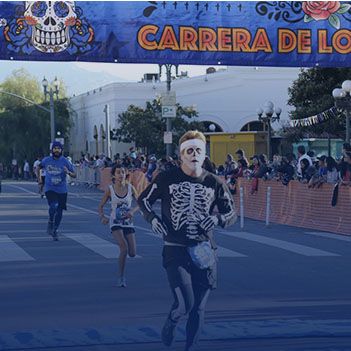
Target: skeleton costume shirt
pixel 186 201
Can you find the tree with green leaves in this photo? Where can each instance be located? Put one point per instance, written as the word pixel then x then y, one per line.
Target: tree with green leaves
pixel 145 127
pixel 311 94
pixel 25 128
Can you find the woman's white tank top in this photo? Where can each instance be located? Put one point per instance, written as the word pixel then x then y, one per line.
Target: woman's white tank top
pixel 119 206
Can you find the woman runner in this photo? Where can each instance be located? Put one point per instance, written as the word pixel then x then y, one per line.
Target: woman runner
pixel 121 195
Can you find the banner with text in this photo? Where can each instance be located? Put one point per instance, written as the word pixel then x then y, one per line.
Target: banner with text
pixel 262 33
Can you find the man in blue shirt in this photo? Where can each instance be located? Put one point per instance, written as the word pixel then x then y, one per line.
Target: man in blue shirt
pixel 56 168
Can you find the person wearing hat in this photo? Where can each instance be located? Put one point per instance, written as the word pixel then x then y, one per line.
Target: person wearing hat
pixel 56 168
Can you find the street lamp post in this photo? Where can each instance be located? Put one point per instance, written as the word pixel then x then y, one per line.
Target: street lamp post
pixel 168 67
pixel 266 115
pixel 51 91
pixel 342 99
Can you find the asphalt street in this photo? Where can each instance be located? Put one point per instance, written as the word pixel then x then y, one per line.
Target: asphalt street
pixel 279 287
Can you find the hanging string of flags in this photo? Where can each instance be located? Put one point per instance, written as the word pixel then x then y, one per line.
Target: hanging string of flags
pixel 319 118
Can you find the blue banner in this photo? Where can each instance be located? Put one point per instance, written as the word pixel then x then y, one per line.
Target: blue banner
pixel 262 33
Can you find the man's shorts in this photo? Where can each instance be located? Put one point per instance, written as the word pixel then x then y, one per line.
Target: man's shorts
pixel 60 198
pixel 181 269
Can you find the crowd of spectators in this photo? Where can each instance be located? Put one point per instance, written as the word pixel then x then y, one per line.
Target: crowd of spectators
pixel 305 167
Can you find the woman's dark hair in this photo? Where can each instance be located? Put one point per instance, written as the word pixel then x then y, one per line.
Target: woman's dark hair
pixel 305 162
pixel 262 158
pixel 113 169
pixel 331 163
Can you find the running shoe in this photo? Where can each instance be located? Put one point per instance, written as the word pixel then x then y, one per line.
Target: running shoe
pixel 54 235
pixel 168 332
pixel 50 228
pixel 122 283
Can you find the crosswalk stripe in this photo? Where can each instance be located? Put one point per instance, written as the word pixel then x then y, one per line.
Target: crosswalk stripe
pixel 330 236
pixel 10 251
pixel 94 243
pixel 221 251
pixel 281 244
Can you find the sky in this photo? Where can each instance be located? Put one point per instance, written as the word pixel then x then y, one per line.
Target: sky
pixel 80 77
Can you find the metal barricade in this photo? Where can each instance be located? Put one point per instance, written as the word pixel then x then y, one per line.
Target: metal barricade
pixel 87 176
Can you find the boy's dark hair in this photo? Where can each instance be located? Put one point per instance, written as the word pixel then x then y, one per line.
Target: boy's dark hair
pixel 239 152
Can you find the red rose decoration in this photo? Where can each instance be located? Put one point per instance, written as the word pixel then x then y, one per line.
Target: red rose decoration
pixel 320 10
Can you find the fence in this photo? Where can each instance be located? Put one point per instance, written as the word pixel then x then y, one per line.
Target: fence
pixel 87 175
pixel 294 204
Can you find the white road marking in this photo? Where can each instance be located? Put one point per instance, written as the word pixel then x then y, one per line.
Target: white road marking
pixel 331 236
pixel 281 244
pixel 94 243
pixel 10 251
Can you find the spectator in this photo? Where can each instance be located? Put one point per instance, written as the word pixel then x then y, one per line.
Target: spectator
pixel 242 166
pixel 240 154
pixel 275 166
pixel 132 153
pixel 346 171
pixel 151 168
pixel 301 153
pixel 320 176
pixel 14 169
pixel 36 165
pixel 346 147
pixel 220 170
pixel 307 170
pixel 230 166
pixel 259 169
pixel 286 171
pixel 26 170
pixel 332 170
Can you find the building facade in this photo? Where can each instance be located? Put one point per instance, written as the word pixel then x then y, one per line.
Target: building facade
pixel 228 99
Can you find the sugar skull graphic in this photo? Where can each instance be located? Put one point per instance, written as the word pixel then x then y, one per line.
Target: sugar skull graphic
pixel 50 22
pixel 49 27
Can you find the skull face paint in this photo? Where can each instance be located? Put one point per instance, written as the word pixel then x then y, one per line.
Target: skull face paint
pixel 193 154
pixel 50 22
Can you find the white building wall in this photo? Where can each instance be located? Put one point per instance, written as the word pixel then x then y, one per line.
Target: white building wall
pixel 229 98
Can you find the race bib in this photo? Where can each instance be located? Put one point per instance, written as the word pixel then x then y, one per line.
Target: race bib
pixel 56 180
pixel 121 216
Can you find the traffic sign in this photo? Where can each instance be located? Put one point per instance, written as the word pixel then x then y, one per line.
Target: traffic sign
pixel 167 137
pixel 169 111
pixel 168 98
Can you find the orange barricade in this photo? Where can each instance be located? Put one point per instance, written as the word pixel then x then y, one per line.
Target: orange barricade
pixel 295 204
pixel 298 205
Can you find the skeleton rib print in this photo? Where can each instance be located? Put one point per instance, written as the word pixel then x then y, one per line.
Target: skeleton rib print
pixel 190 203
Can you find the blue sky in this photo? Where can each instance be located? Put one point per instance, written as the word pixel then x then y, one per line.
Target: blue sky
pixel 83 76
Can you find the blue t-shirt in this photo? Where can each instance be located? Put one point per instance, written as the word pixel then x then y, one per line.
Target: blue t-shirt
pixel 55 179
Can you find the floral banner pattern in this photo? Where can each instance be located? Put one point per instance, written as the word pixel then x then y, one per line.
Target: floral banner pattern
pixel 256 33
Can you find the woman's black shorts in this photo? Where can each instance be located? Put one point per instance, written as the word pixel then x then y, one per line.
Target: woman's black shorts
pixel 126 231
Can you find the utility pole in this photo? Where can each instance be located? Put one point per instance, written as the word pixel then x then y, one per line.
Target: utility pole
pixel 107 126
pixel 168 67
